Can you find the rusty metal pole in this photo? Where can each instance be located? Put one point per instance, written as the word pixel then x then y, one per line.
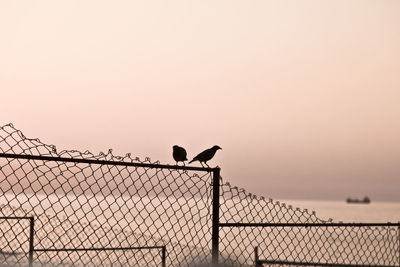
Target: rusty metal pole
pixel 215 216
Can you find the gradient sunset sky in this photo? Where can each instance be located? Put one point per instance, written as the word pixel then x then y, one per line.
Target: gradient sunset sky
pixel 303 96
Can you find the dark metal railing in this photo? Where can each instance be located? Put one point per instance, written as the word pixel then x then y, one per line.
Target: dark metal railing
pixel 259 262
pixel 107 162
pixel 328 224
pixel 32 249
pixel 163 250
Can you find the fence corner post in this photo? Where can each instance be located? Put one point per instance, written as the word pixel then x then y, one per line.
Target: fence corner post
pixel 163 252
pixel 31 234
pixel 256 256
pixel 215 216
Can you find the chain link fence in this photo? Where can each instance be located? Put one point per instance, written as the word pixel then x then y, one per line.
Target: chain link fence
pixel 287 236
pixel 109 210
pixel 16 240
pixel 335 244
pixel 79 206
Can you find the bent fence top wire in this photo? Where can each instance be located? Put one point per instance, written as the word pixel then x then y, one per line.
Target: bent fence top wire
pixel 82 200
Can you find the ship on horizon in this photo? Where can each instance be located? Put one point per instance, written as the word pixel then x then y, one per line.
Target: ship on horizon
pixel 365 200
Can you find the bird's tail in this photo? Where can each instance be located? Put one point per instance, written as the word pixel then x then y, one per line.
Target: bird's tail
pixel 191 161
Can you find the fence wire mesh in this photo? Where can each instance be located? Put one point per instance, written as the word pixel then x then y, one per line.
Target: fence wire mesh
pixel 14 240
pixel 341 244
pixel 79 205
pixel 89 205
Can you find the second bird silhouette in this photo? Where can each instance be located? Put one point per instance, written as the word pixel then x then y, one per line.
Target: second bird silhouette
pixel 179 154
pixel 206 155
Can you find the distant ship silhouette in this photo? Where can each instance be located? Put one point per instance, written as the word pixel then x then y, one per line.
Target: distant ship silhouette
pixel 365 200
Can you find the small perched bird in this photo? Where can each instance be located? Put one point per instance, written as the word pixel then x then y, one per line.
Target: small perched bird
pixel 206 155
pixel 179 154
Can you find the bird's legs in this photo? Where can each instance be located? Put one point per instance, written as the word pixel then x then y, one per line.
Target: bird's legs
pixel 177 164
pixel 206 164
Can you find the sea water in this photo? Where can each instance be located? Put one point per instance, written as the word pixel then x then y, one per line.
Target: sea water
pixel 86 207
pixel 374 212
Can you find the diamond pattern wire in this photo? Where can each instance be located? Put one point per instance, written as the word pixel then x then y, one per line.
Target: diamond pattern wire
pixel 79 205
pixel 372 245
pixel 83 205
pixel 14 240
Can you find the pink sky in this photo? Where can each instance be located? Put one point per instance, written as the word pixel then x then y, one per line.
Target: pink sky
pixel 303 96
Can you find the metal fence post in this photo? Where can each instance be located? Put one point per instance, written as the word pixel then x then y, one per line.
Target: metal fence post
pixel 215 216
pixel 31 233
pixel 256 256
pixel 163 252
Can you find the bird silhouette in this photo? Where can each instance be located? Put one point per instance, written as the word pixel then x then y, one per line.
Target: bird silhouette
pixel 179 154
pixel 206 155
